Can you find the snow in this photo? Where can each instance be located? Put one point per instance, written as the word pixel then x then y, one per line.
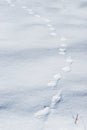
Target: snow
pixel 63 45
pixel 56 99
pixel 43 49
pixel 52 83
pixel 63 39
pixel 57 76
pixel 69 60
pixel 43 113
pixel 66 69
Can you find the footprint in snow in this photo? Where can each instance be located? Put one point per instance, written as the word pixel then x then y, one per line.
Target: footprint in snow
pixel 69 60
pixel 56 99
pixel 53 34
pixel 62 51
pixel 57 77
pixel 63 45
pixel 24 7
pixel 66 69
pixel 55 81
pixel 52 29
pixel 42 113
pixel 63 39
pixel 52 84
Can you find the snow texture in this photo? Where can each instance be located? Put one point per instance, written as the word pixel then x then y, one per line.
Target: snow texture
pixel 43 67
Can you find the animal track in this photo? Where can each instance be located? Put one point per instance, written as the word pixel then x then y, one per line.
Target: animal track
pixel 56 99
pixel 42 113
pixel 45 112
pixel 66 69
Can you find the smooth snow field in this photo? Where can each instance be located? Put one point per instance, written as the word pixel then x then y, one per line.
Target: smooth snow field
pixel 43 64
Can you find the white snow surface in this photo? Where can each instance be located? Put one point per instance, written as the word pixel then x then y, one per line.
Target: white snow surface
pixel 40 41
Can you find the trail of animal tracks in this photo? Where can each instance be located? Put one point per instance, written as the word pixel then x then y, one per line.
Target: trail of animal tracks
pixel 43 49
